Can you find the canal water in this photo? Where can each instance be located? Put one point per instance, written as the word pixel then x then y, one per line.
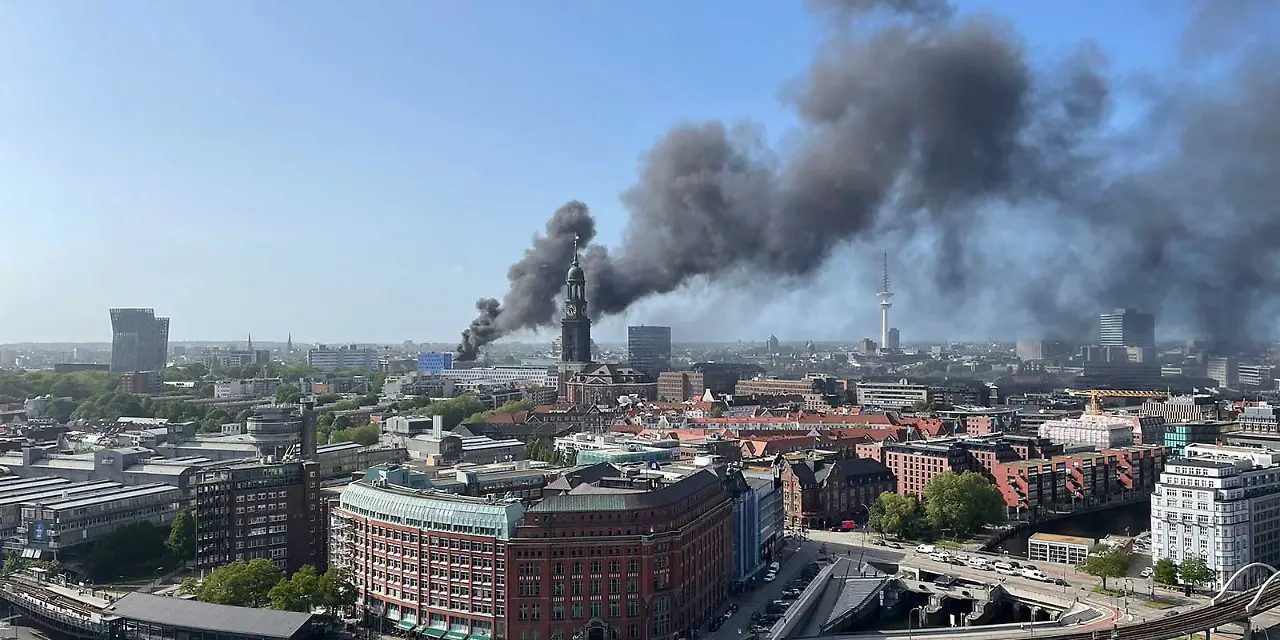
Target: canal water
pixel 1130 519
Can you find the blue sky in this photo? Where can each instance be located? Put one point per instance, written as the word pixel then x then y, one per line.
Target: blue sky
pixel 364 171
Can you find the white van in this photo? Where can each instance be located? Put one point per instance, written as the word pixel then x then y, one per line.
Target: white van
pixel 1036 574
pixel 940 556
pixel 773 567
pixel 978 562
pixel 925 548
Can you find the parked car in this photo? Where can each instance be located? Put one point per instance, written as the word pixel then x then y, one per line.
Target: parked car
pixel 770 577
pixel 1147 572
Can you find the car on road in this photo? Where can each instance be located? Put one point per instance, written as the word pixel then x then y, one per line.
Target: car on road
pixel 925 548
pixel 774 566
pixel 770 577
pixel 1147 572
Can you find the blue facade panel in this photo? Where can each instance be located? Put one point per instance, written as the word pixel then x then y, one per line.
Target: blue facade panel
pixel 434 362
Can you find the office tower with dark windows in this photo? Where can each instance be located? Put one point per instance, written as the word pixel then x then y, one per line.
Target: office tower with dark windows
pixel 649 349
pixel 1127 328
pixel 139 340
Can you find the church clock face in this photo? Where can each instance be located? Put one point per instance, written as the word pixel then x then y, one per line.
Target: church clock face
pixel 572 311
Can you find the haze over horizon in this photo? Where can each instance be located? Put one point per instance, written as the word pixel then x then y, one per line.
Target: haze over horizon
pixel 264 168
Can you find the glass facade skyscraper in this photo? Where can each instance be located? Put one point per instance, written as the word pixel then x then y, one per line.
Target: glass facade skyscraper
pixel 139 340
pixel 1127 328
pixel 649 349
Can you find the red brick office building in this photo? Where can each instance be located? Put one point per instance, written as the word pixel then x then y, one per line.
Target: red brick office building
pixel 621 559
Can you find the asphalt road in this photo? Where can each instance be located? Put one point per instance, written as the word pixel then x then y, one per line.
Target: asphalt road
pixel 856 546
pixel 756 600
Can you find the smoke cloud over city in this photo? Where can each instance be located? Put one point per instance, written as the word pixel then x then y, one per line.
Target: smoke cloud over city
pixel 936 129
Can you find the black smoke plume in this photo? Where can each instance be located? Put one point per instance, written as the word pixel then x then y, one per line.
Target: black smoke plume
pixel 937 129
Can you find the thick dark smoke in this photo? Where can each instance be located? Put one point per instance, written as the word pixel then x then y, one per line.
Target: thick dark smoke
pixel 535 281
pixel 938 130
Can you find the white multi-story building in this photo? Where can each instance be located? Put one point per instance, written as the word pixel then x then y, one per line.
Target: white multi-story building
pixel 1101 431
pixel 251 388
pixel 349 357
pixel 1221 504
pixel 540 376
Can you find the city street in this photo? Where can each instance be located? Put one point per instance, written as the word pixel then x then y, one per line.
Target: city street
pixel 752 601
pixel 857 545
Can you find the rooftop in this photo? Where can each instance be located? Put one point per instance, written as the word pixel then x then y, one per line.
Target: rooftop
pixel 1054 537
pixel 633 501
pixel 124 493
pixel 193 614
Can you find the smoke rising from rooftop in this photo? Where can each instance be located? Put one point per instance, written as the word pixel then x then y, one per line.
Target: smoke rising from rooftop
pixel 937 129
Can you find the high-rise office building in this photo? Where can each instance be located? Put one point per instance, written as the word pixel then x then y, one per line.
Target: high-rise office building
pixel 1127 328
pixel 434 362
pixel 139 340
pixel 649 349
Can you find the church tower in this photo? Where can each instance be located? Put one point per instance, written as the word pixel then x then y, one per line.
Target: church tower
pixel 575 328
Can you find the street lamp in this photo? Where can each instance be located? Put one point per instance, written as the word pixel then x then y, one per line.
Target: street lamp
pixel 919 611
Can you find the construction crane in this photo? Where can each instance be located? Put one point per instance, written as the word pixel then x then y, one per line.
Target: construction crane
pixel 1094 394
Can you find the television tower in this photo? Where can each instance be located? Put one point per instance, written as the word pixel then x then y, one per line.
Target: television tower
pixel 884 294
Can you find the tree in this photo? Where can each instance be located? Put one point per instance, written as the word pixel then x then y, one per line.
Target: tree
pixel 335 592
pixel 510 407
pixel 1106 562
pixel 241 584
pixel 297 592
pixel 365 434
pixel 926 406
pixel 1195 571
pixel 962 504
pixel 1165 571
pixel 133 549
pixel 287 394
pixel 894 514
pixel 182 537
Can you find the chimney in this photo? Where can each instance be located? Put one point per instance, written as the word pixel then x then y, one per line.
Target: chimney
pixel 437 426
pixel 310 428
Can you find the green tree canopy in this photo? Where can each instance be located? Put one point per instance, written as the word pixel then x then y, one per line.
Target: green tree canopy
pixel 926 406
pixel 1195 571
pixel 1106 562
pixel 111 405
pixel 287 394
pixel 298 592
pixel 182 537
pixel 19 386
pixel 365 434
pixel 241 584
pixel 454 410
pixel 510 407
pixel 137 548
pixel 895 515
pixel 335 592
pixel 1165 571
pixel 962 503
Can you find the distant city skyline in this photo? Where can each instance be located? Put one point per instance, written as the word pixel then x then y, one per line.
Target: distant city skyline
pixel 271 190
